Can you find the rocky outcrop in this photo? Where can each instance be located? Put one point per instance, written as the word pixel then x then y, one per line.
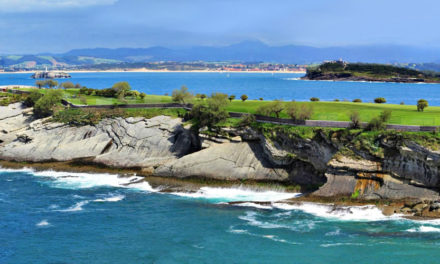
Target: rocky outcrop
pixel 331 163
pixel 131 142
pixel 50 75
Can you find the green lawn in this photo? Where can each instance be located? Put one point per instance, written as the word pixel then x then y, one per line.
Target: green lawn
pixel 336 111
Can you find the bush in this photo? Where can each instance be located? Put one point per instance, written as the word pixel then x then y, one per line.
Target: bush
pixel 244 97
pixel 299 112
pixel 421 105
pixel 231 97
pixel 357 100
pixel 380 100
pixel 379 123
pixel 336 100
pixel 182 96
pixel 67 85
pixel 314 99
pixel 142 95
pixel 402 103
pixel 210 112
pixel 121 88
pixel 274 107
pixel 355 120
pixel 32 98
pixel 45 105
pixel 261 99
pixel 246 120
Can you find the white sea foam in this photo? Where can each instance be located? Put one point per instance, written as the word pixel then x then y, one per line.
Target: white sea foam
pixel 115 198
pixel 27 170
pixel 341 244
pixel 424 229
pixel 76 207
pixel 238 194
pixel 255 205
pixel 271 237
pixel 43 223
pixel 349 213
pixel 72 180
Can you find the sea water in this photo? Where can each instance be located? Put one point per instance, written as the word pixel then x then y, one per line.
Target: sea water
pixel 58 217
pixel 285 86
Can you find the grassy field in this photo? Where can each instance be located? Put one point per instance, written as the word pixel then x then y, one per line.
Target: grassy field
pixel 335 111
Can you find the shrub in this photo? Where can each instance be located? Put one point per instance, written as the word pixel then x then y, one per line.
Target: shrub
pixel 231 97
pixel 355 120
pixel 246 120
pixel 83 99
pixel 275 107
pixel 244 97
pixel 121 88
pixel 336 100
pixel 182 96
pixel 379 122
pixel 32 98
pixel 357 100
pixel 261 99
pixel 45 105
pixel 67 85
pixel 314 99
pixel 402 103
pixel 421 105
pixel 210 112
pixel 142 96
pixel 299 112
pixel 380 100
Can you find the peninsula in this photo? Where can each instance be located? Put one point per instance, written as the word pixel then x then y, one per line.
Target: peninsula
pixel 343 71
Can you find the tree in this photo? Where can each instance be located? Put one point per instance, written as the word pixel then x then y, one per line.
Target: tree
pixel 203 96
pixel 142 95
pixel 67 85
pixel 32 98
pixel 231 97
pixel 314 99
pixel 275 107
pixel 379 122
pixel 380 100
pixel 421 105
pixel 121 88
pixel 44 106
pixel 40 84
pixel 51 83
pixel 357 100
pixel 182 96
pixel 299 111
pixel 210 112
pixel 244 97
pixel 78 85
pixel 355 120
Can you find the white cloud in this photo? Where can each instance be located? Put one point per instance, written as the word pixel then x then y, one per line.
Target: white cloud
pixel 12 6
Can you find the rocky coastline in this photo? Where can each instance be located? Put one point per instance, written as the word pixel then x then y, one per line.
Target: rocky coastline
pixel 399 175
pixel 351 78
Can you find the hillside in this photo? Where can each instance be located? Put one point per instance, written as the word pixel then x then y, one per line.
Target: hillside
pixel 342 71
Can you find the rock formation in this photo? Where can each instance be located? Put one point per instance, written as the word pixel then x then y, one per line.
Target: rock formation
pixel 164 147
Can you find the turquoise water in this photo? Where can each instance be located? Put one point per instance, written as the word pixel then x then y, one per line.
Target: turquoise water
pixel 255 85
pixel 49 217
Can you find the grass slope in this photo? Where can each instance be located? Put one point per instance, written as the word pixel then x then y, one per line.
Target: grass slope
pixel 335 111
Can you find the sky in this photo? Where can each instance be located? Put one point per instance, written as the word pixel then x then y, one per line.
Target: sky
pixel 35 26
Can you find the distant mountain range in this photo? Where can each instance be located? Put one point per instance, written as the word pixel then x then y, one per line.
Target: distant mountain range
pixel 249 51
pixel 254 51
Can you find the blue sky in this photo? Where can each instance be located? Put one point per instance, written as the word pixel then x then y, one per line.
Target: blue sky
pixel 30 26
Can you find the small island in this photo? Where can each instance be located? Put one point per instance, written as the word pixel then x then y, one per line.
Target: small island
pixel 344 71
pixel 50 75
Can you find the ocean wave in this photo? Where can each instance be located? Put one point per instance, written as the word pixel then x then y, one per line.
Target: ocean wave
pixel 424 229
pixel 255 205
pixel 25 169
pixel 341 244
pixel 251 217
pixel 73 180
pixel 43 223
pixel 238 194
pixel 114 198
pixel 271 237
pixel 76 207
pixel 347 213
